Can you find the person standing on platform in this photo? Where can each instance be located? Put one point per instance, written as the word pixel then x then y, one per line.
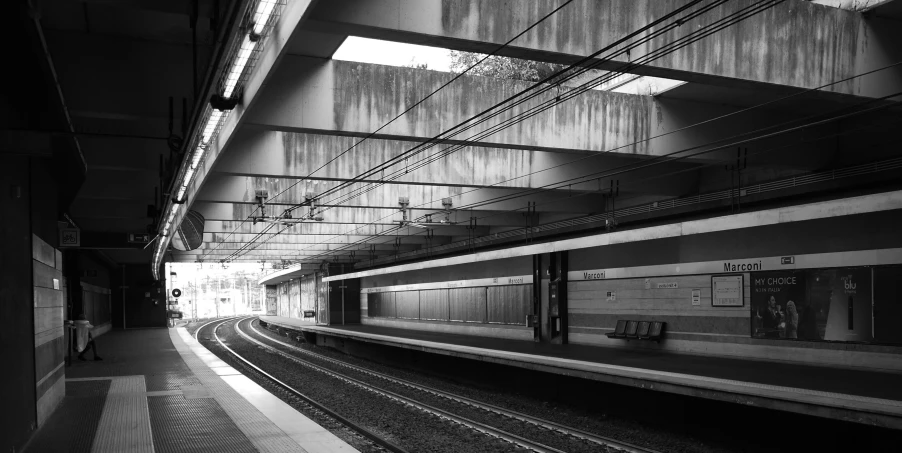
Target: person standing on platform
pixel 83 338
pixel 792 320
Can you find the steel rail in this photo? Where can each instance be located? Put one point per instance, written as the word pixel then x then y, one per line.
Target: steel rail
pixel 585 435
pixel 354 426
pixel 197 332
pixel 472 424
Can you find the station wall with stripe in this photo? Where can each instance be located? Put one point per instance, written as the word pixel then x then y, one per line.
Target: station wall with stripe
pixel 655 277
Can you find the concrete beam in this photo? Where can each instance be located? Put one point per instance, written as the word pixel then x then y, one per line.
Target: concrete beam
pixel 342 98
pixel 275 155
pixel 292 247
pixel 299 239
pixel 243 232
pixel 427 199
pixel 380 216
pixel 796 44
pixel 346 98
pixel 371 233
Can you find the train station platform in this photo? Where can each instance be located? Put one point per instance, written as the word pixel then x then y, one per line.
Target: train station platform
pixel 869 397
pixel 159 390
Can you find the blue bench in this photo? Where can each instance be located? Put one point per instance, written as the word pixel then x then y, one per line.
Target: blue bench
pixel 638 330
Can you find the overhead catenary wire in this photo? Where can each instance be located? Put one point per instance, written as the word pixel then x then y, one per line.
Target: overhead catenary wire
pixel 575 65
pixel 674 45
pixel 622 169
pixel 650 178
pixel 530 113
pixel 589 58
pixel 543 86
pixel 415 105
pixel 727 21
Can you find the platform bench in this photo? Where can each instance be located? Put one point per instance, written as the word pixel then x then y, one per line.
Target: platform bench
pixel 638 330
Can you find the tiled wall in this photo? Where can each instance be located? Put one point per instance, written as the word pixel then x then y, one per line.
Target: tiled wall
pixel 49 339
pixel 592 312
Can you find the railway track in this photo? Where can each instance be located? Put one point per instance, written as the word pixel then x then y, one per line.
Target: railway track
pixel 373 437
pixel 477 405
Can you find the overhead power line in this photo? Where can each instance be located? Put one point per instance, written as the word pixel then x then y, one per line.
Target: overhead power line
pixel 682 42
pixel 415 105
pixel 584 61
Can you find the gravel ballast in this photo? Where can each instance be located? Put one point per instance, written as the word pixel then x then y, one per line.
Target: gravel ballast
pixel 597 423
pixel 402 425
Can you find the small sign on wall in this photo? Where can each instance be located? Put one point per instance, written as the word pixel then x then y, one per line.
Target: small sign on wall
pixel 696 297
pixel 727 291
pixel 70 237
pixel 668 285
pixel 612 295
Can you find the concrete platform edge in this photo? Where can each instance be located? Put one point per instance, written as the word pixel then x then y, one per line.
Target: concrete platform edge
pixel 859 409
pixel 280 422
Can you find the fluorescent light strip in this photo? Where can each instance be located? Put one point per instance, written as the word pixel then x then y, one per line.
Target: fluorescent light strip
pixel 244 54
pixel 198 155
pixel 212 122
pixel 261 16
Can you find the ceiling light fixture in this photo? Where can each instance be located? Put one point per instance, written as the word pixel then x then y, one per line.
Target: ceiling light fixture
pixel 219 105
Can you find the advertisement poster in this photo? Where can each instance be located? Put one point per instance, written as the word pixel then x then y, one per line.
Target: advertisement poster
pixel 844 298
pixel 778 304
pixel 812 304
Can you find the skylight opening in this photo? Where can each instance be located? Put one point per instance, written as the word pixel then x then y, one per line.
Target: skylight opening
pixel 390 53
pixel 647 86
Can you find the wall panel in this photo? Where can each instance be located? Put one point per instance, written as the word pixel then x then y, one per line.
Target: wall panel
pixel 49 340
pixel 389 308
pixel 467 304
pixel 408 304
pixel 434 305
pixel 294 299
pixel 509 304
pixel 308 294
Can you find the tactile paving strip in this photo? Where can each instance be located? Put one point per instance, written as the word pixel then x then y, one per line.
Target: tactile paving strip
pixel 173 380
pixel 261 431
pixel 125 422
pixel 73 426
pixel 194 425
pixel 88 397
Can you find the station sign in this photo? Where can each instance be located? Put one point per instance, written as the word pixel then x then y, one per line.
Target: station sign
pixel 70 237
pixel 138 238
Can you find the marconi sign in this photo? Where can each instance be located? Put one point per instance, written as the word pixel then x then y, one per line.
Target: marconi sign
pixel 729 266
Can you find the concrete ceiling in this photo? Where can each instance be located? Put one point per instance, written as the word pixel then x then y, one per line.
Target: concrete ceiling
pixel 119 62
pixel 312 109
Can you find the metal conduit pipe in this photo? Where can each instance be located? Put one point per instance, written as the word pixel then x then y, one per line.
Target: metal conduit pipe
pixel 35 15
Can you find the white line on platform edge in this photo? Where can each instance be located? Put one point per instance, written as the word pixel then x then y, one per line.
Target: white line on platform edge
pixel 305 432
